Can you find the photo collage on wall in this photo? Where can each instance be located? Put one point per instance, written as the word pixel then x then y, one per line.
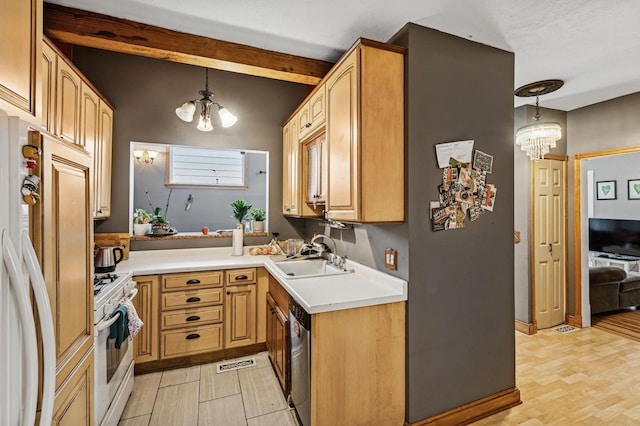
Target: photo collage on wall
pixel 464 186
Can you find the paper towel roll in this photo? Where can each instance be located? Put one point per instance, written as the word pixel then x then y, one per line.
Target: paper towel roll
pixel 236 244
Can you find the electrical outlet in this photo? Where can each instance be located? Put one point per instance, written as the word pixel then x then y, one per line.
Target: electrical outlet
pixel 390 258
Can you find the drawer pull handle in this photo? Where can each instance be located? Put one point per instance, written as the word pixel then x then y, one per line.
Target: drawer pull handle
pixel 241 277
pixel 193 281
pixel 193 318
pixel 193 299
pixel 193 336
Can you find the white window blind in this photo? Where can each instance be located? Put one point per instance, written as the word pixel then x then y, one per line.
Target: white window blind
pixel 189 166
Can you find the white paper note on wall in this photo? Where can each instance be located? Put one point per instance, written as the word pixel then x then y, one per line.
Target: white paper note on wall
pixel 460 150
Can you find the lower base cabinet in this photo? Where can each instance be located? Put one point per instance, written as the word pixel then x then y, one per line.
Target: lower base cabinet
pixel 277 341
pixel 74 400
pixel 145 343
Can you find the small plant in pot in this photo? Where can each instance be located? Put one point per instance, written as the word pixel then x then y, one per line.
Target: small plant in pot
pixel 240 210
pixel 141 222
pixel 257 216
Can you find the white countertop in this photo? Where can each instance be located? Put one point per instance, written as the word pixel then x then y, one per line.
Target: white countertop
pixel 364 287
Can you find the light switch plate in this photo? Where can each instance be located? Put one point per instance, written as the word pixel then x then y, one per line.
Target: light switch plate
pixel 391 259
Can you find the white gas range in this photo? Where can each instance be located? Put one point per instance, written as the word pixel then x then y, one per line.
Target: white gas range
pixel 113 366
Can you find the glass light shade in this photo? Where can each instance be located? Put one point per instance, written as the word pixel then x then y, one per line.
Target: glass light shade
pixel 137 153
pixel 186 111
pixel 538 138
pixel 204 123
pixel 226 117
pixel 152 155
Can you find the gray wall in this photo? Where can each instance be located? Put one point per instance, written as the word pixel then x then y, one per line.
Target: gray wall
pixel 211 206
pixel 145 93
pixel 460 344
pixel 619 168
pixel 523 115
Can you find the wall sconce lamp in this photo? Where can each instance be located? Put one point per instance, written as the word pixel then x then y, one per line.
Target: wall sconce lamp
pixel 186 111
pixel 538 138
pixel 144 156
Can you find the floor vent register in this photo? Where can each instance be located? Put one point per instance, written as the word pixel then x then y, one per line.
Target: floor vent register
pixel 565 329
pixel 235 365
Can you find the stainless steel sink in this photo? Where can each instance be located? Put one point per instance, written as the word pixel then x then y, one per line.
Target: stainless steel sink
pixel 307 268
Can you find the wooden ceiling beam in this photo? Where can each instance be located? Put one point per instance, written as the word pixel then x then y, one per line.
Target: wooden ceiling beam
pixel 105 32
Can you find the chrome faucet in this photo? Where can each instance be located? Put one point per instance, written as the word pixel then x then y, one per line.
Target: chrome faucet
pixel 332 258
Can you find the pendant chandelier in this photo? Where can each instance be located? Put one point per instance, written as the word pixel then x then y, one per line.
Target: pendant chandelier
pixel 187 110
pixel 538 138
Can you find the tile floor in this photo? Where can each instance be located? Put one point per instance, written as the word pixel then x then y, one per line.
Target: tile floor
pixel 199 396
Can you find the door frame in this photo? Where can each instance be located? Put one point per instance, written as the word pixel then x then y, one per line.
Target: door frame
pixel 532 228
pixel 576 319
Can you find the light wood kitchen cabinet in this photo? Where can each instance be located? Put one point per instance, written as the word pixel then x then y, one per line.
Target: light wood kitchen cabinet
pixel 66 234
pixel 315 169
pixel 20 47
pixel 145 343
pixel 290 170
pixel 74 401
pixel 68 95
pixel 240 308
pixel 102 162
pixel 312 114
pixel 49 63
pixel 278 333
pixel 365 131
pixel 191 314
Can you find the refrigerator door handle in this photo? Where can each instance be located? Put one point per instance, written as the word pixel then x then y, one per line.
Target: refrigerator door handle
pixel 21 293
pixel 46 327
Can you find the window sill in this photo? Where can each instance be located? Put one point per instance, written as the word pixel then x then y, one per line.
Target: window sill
pixel 193 236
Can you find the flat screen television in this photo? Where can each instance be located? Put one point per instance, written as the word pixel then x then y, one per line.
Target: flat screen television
pixel 617 237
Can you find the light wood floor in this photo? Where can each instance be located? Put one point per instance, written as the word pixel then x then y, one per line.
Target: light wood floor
pixel 585 377
pixel 199 396
pixel 624 322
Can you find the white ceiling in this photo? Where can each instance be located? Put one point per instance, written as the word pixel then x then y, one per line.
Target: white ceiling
pixel 593 45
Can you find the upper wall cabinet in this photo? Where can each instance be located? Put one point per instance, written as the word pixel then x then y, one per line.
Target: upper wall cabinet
pixel 365 132
pixel 312 114
pixel 357 172
pixel 20 67
pixel 73 110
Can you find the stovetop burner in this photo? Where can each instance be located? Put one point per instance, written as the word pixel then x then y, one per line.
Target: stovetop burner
pixel 101 281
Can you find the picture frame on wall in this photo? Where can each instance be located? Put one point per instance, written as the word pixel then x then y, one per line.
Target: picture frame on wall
pixel 633 189
pixel 606 190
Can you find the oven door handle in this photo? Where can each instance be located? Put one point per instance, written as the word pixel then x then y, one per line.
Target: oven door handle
pixel 107 323
pixel 133 294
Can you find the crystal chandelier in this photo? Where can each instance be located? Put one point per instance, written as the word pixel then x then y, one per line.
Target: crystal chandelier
pixel 187 109
pixel 538 138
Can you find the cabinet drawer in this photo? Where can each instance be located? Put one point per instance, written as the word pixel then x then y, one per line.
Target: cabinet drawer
pixel 192 280
pixel 241 276
pixel 191 317
pixel 191 341
pixel 191 299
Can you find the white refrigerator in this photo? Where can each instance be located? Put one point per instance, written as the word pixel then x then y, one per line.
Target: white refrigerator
pixel 22 290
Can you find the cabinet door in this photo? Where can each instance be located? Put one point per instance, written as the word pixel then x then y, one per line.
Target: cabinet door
pixel 342 132
pixel 89 107
pixel 20 46
pixel 103 175
pixel 315 168
pixel 290 170
pixel 317 108
pixel 49 61
pixel 145 343
pixel 67 103
pixel 271 342
pixel 303 122
pixel 73 405
pixel 240 316
pixel 281 353
pixel 67 228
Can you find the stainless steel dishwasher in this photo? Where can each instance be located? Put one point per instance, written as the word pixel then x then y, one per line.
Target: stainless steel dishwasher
pixel 300 323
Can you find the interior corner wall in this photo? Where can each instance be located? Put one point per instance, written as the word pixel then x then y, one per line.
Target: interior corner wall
pixel 522 222
pixel 460 331
pixel 145 93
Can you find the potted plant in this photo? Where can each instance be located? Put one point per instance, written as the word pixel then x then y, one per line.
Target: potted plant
pixel 141 222
pixel 240 210
pixel 257 219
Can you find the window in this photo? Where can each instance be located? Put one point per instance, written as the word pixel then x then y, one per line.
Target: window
pixel 206 167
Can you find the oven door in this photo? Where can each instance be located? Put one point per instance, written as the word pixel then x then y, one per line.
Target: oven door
pixel 111 366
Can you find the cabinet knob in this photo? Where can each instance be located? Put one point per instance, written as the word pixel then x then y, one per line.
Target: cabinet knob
pixel 228 293
pixel 193 299
pixel 192 336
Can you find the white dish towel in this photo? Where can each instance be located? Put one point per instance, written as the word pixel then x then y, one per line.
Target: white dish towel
pixel 135 323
